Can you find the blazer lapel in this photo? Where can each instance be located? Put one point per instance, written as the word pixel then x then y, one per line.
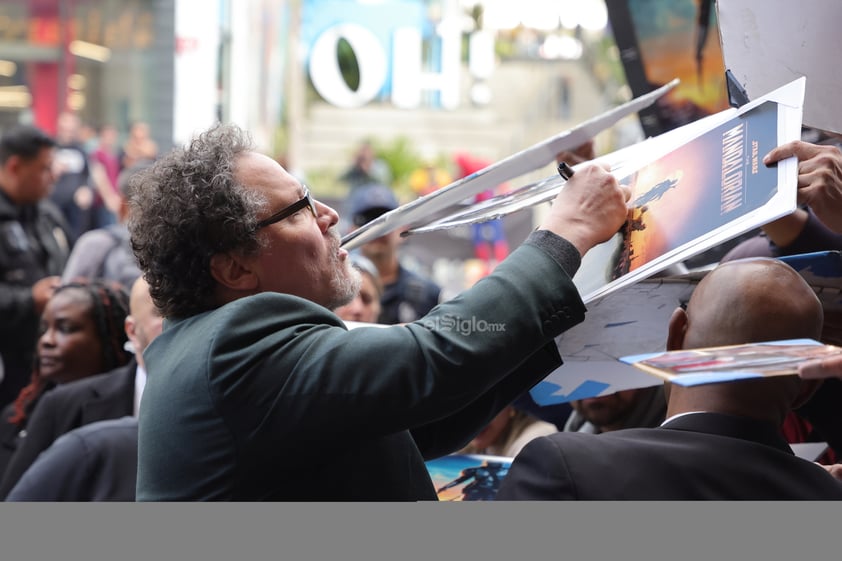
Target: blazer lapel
pixel 113 398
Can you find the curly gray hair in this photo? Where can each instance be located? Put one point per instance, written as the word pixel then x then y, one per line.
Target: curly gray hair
pixel 187 207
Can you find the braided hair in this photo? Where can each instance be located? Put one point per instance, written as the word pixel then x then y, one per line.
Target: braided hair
pixel 109 308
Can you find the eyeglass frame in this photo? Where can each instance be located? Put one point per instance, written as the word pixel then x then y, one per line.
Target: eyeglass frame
pixel 307 201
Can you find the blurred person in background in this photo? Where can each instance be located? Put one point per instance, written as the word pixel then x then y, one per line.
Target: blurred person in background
pixel 407 295
pixel 34 245
pixel 106 253
pixel 508 433
pixel 105 167
pixel 110 395
pixel 73 191
pixel 81 335
pixel 138 147
pixel 627 409
pixel 365 307
pixel 366 168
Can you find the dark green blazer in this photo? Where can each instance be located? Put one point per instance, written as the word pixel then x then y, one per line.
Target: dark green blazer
pixel 270 397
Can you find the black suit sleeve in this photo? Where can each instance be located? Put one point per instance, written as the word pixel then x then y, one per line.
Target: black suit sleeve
pixel 455 431
pixel 267 365
pixel 41 432
pixel 815 236
pixel 539 473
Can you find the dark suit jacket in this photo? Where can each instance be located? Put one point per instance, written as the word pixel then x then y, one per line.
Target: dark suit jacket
pixel 105 396
pixel 270 397
pixel 23 261
pixel 97 462
pixel 9 436
pixel 702 456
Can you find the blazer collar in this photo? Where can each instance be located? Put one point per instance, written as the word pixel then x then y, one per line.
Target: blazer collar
pixel 114 396
pixel 732 426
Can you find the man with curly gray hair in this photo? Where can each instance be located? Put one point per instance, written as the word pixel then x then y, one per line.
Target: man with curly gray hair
pixel 258 391
pixel 203 213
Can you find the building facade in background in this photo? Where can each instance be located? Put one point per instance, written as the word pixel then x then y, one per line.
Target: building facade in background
pixel 165 62
pixel 267 65
pixel 111 61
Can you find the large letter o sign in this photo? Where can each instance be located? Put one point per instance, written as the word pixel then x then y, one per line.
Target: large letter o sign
pixel 324 65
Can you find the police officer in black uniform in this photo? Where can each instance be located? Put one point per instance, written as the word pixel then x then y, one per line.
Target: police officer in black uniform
pixel 33 249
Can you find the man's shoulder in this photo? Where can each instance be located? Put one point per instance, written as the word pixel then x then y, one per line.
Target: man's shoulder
pixel 260 308
pixel 102 431
pixel 98 441
pixel 250 318
pixel 580 441
pixel 45 208
pixel 114 232
pixel 99 238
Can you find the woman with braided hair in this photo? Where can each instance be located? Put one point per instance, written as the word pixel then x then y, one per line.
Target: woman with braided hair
pixel 82 333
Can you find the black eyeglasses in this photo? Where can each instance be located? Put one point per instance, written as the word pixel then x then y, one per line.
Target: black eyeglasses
pixel 304 202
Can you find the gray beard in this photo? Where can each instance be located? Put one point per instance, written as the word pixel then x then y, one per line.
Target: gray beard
pixel 345 285
pixel 346 281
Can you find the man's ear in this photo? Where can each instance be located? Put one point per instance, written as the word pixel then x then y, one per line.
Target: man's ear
pixel 12 163
pixel 677 330
pixel 233 272
pixel 129 326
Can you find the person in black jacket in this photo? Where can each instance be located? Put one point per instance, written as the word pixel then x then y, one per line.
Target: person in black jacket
pixel 34 245
pixel 81 335
pixel 720 441
pixel 109 395
pixel 258 391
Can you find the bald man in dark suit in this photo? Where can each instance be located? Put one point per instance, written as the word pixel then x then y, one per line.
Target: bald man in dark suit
pixel 720 441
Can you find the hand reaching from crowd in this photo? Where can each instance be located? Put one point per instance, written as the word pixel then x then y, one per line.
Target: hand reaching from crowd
pixel 819 178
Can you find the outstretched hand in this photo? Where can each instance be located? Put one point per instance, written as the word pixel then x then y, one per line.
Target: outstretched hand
pixel 819 178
